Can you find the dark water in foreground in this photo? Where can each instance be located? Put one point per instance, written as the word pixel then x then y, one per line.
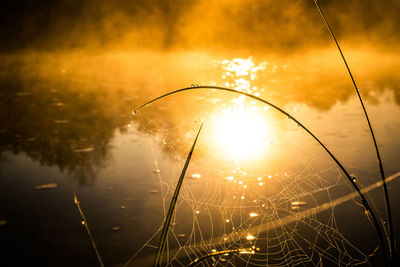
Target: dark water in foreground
pixel 256 182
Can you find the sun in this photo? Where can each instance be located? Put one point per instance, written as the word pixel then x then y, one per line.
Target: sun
pixel 240 133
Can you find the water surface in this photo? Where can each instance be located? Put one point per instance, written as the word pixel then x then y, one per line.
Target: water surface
pixel 256 179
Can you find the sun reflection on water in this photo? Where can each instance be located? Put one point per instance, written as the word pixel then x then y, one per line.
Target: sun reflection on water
pixel 240 132
pixel 239 73
pixel 240 129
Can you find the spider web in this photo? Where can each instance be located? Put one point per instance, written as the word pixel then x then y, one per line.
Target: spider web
pixel 231 213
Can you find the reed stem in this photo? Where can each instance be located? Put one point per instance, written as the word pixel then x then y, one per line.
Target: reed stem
pixel 88 230
pixel 380 165
pixel 164 232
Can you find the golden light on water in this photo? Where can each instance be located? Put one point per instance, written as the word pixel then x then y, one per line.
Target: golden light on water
pixel 239 73
pixel 240 130
pixel 240 133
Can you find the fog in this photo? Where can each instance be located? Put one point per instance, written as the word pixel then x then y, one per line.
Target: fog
pixel 265 26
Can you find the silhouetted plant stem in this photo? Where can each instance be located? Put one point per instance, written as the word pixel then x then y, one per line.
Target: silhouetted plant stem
pixel 392 247
pixel 164 232
pixel 363 200
pixel 88 230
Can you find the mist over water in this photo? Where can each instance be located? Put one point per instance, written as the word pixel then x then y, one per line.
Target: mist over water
pixel 267 26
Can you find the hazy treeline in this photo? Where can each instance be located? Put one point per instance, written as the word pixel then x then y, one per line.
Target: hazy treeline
pixel 165 24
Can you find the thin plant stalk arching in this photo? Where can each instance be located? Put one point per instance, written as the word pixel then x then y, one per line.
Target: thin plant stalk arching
pixel 353 183
pixel 392 247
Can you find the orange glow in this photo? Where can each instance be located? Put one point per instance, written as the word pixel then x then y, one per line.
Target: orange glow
pixel 239 130
pixel 240 133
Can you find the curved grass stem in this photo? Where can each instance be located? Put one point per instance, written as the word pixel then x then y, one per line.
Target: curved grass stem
pixel 380 165
pixel 164 232
pixel 356 188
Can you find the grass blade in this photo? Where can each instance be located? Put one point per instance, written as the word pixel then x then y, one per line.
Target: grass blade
pixel 88 230
pixel 380 165
pixel 164 232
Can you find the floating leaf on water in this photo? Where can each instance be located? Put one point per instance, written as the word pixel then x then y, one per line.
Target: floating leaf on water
pixel 116 228
pixel 3 223
pixel 46 186
pixel 84 150
pixel 61 121
pixel 23 93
